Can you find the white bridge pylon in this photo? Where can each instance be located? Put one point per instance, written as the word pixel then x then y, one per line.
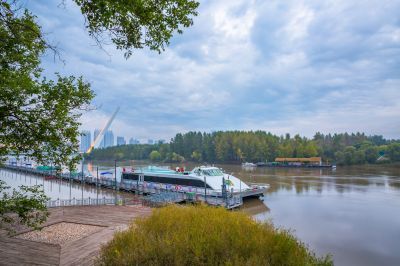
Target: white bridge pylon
pixel 103 130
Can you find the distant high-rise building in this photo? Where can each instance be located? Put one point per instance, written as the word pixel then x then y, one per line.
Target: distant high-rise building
pixel 86 140
pixel 101 142
pixel 121 141
pixel 133 141
pixel 161 141
pixel 150 141
pixel 96 133
pixel 108 139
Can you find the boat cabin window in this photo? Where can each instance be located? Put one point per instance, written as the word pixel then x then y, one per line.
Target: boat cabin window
pixel 212 172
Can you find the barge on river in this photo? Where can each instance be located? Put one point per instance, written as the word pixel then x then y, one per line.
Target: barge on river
pixel 311 162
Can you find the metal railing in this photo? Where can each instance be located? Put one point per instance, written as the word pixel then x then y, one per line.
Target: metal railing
pixel 91 202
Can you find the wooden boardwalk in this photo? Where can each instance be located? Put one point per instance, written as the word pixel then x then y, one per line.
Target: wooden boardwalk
pixel 14 251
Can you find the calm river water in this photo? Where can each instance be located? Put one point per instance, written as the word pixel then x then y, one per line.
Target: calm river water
pixel 352 213
pixel 57 189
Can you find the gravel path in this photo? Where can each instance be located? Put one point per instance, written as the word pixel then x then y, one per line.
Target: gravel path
pixel 61 233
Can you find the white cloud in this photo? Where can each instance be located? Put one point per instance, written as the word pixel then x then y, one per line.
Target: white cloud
pixel 285 66
pixel 233 26
pixel 299 20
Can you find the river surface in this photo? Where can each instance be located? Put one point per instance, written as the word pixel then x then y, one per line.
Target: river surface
pixel 56 188
pixel 353 213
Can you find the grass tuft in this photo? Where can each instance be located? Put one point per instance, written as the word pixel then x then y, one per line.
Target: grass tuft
pixel 202 235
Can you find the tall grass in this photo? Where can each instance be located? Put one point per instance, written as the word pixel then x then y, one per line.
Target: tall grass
pixel 201 235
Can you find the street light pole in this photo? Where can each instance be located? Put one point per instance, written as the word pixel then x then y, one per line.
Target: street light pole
pixel 82 180
pixel 115 174
pixel 83 161
pixel 97 185
pixel 205 189
pixel 115 181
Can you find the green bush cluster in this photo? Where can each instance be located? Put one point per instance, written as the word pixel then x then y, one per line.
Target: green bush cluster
pixel 259 146
pixel 202 235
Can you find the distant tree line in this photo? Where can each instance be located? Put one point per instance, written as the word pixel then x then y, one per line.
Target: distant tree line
pixel 259 146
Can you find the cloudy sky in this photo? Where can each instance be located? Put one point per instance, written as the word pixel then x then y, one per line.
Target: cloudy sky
pixel 280 66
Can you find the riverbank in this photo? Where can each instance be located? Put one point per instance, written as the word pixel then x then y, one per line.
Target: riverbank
pixel 62 249
pixel 109 164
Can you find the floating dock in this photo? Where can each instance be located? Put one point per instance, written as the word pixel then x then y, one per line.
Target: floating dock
pixel 153 194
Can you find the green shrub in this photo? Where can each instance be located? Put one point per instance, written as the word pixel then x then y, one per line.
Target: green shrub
pixel 201 235
pixel 155 156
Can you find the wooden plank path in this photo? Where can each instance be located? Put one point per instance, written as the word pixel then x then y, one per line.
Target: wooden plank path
pixel 15 251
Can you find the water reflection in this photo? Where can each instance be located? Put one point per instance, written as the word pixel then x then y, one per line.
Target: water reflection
pixel 342 180
pixel 352 213
pixel 254 206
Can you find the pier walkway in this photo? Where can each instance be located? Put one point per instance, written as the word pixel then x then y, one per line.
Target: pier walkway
pixel 81 251
pixel 153 193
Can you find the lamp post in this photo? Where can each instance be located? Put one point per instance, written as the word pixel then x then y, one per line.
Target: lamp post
pixel 224 192
pixel 205 189
pixel 115 182
pixel 83 161
pixel 70 184
pixel 82 180
pixel 240 189
pixel 97 185
pixel 115 174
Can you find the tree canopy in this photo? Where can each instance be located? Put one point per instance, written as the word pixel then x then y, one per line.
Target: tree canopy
pixel 38 116
pixel 155 156
pixel 134 24
pixel 260 146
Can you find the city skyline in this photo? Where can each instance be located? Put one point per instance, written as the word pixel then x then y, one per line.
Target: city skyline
pixel 110 139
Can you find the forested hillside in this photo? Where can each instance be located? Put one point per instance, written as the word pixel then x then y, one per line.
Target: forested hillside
pixel 259 146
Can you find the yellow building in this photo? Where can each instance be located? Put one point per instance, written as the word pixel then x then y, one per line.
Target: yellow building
pixel 311 160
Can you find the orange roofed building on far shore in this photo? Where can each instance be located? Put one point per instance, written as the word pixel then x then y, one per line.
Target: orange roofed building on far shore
pixel 311 160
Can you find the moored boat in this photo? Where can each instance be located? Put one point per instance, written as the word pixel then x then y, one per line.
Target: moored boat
pixel 247 164
pixel 209 178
